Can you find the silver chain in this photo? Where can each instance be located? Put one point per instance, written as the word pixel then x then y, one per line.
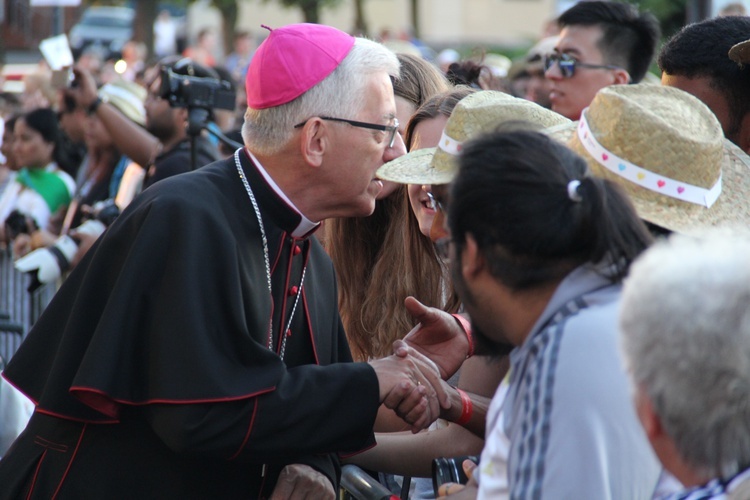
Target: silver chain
pixel 267 261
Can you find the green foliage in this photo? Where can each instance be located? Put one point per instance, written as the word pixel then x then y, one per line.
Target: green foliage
pixel 670 13
pixel 310 8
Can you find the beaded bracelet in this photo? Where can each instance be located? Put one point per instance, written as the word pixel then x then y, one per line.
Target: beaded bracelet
pixel 466 327
pixel 467 408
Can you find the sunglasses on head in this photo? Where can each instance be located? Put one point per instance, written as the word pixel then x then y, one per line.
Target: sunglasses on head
pixel 568 64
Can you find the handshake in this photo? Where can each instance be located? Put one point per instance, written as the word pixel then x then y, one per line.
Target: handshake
pixel 412 379
pixel 411 386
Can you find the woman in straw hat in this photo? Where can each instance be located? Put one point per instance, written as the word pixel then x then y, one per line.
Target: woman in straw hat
pixel 668 152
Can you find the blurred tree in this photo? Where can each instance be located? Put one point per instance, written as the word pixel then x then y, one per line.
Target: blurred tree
pixel 229 10
pixel 310 8
pixel 360 23
pixel 672 14
pixel 143 25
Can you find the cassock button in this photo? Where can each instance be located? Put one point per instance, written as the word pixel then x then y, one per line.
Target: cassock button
pixel 297 250
pixel 293 291
pixel 289 332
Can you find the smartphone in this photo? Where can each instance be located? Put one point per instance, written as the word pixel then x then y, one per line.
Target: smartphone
pixel 62 78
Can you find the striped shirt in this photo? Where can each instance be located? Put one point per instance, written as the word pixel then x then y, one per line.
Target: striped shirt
pixel 568 413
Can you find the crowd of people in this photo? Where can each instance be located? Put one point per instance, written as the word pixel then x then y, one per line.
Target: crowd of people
pixel 539 265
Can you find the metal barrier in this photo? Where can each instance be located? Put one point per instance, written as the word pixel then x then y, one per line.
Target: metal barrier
pixel 358 484
pixel 19 306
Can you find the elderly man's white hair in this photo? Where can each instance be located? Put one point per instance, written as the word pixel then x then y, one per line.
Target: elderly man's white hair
pixel 341 94
pixel 685 323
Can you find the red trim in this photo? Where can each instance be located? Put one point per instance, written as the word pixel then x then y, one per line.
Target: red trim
pixel 285 295
pixel 249 431
pixel 2 374
pixel 66 417
pixel 278 252
pixel 354 453
pixel 466 327
pixel 309 327
pixel 70 463
pixel 310 331
pixel 76 389
pixel 36 474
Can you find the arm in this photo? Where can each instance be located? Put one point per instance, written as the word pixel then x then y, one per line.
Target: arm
pixel 130 139
pixel 406 454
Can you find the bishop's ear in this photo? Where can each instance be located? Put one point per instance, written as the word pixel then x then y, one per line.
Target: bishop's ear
pixel 314 141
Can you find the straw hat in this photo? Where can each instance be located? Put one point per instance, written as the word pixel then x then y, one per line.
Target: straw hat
pixel 128 97
pixel 478 112
pixel 740 52
pixel 667 150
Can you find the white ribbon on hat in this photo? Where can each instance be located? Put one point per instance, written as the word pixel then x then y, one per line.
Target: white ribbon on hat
pixel 642 177
pixel 450 145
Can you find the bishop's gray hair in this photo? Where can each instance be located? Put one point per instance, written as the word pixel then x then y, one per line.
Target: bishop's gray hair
pixel 685 322
pixel 340 94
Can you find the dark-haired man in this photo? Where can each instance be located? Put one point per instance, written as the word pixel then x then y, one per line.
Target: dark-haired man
pixel 601 44
pixel 163 148
pixel 695 60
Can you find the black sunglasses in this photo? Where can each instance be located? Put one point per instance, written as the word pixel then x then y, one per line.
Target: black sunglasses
pixel 392 129
pixel 568 64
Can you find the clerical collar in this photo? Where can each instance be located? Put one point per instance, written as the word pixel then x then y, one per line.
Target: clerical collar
pixel 305 226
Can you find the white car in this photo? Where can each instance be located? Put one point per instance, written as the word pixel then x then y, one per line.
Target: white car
pixel 107 28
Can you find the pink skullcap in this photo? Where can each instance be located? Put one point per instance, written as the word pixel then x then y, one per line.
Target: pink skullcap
pixel 292 60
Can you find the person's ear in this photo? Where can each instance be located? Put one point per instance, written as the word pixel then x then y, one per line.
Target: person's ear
pixel 647 415
pixel 314 141
pixel 743 139
pixel 473 262
pixel 622 77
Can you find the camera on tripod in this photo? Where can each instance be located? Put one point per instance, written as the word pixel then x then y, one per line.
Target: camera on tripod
pixel 184 91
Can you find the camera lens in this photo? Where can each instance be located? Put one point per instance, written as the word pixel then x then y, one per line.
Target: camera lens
pixel 450 470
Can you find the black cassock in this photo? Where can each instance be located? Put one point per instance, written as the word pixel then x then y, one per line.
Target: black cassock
pixel 151 368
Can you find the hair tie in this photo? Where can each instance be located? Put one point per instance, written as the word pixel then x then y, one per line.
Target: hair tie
pixel 573 193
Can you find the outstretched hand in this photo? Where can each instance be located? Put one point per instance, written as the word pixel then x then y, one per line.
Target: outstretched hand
pixel 438 336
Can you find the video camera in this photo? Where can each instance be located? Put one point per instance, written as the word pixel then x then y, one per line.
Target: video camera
pixel 183 91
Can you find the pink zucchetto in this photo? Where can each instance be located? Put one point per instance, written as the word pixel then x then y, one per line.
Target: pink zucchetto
pixel 292 60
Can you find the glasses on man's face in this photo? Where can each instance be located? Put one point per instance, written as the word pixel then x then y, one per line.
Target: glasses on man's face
pixel 434 204
pixel 568 64
pixel 391 129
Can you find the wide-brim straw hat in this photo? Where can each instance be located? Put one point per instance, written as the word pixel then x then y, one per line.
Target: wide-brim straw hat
pixel 740 52
pixel 479 112
pixel 667 150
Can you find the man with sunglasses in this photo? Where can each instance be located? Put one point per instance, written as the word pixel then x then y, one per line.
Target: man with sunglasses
pixel 601 44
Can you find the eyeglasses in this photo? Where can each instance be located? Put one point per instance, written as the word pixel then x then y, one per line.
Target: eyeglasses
pixel 443 249
pixel 568 64
pixel 391 129
pixel 434 204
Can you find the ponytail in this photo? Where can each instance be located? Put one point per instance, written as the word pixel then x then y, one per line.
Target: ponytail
pixel 536 215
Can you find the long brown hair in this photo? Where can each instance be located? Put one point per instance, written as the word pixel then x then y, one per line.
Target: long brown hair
pixel 378 260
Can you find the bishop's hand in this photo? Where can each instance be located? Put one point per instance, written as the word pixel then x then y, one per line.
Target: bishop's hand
pixel 412 388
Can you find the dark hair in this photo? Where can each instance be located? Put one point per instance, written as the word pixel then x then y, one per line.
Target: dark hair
pixel 700 50
pixel 511 194
pixel 465 73
pixel 438 105
pixel 629 37
pixel 44 121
